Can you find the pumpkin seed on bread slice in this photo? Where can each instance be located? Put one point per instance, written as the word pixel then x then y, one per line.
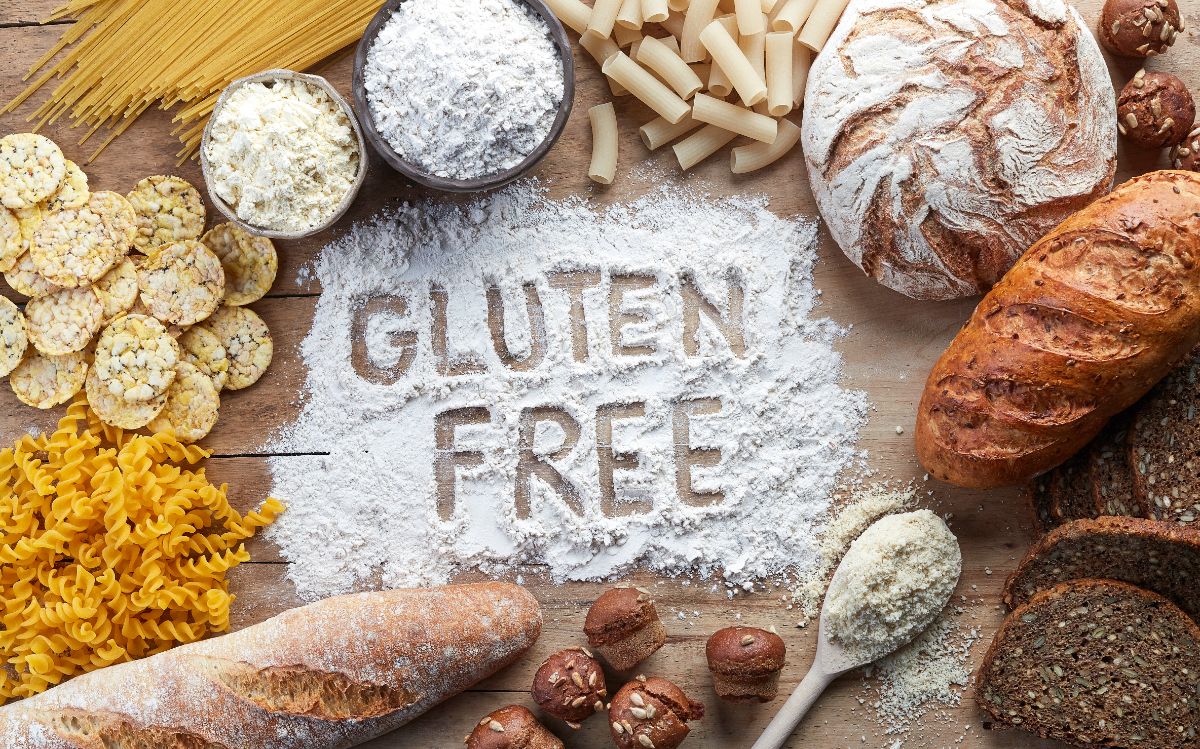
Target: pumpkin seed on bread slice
pixel 1163 557
pixel 1096 663
pixel 1164 446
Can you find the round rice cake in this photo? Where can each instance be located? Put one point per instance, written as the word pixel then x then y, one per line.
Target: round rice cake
pixel 73 193
pixel 136 358
pixel 32 168
pixel 24 279
pixel 29 219
pixel 250 263
pixel 64 322
pixel 247 343
pixel 169 209
pixel 118 289
pixel 76 247
pixel 118 215
pixel 11 246
pixel 201 348
pixel 192 405
pixel 14 336
pixel 182 283
pixel 47 381
pixel 116 411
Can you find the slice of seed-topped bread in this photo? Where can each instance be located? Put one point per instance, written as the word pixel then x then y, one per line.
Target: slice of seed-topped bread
pixel 1164 446
pixel 1071 493
pixel 1096 663
pixel 1160 556
pixel 1110 473
pixel 1037 494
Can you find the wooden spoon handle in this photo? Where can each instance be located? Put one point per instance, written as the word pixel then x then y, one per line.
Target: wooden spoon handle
pixel 794 710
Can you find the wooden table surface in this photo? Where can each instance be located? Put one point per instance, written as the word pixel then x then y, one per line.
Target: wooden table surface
pixel 893 343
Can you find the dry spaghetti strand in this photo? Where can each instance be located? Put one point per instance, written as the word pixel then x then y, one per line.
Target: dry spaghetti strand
pixel 122 57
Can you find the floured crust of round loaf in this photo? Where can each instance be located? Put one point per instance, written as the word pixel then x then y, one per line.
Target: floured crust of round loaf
pixel 136 358
pixel 334 673
pixel 935 156
pixel 182 283
pixel 47 381
pixel 14 336
pixel 1083 326
pixel 169 209
pixel 1160 556
pixel 32 168
pixel 247 343
pixel 1096 663
pixel 115 410
pixel 191 407
pixel 250 263
pixel 64 322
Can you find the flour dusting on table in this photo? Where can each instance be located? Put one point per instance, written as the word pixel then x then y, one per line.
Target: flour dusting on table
pixel 653 390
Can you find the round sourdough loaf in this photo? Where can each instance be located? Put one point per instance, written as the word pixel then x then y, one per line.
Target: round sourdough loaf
pixel 944 137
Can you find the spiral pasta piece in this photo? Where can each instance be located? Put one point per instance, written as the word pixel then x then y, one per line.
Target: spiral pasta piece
pixel 113 546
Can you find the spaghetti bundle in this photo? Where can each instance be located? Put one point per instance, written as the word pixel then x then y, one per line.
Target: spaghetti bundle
pixel 122 57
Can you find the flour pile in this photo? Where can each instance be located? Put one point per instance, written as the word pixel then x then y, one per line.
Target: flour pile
pixel 651 389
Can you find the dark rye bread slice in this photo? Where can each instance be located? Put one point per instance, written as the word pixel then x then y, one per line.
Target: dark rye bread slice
pixel 1063 494
pixel 1096 663
pixel 1160 556
pixel 1111 474
pixel 1165 446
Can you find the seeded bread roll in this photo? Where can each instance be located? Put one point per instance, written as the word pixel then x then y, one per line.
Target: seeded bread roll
pixel 623 626
pixel 651 713
pixel 745 663
pixel 1158 556
pixel 1089 319
pixel 325 676
pixel 512 727
pixel 1096 663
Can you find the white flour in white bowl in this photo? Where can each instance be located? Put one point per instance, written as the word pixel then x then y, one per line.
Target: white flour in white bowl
pixel 619 427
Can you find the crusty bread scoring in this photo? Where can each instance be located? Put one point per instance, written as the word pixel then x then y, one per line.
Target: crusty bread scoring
pixel 326 676
pixel 1089 319
pixel 943 137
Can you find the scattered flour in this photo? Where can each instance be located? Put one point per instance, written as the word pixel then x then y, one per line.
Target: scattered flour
pixel 551 472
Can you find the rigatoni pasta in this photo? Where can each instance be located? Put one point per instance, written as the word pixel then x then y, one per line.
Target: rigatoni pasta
pixel 700 14
pixel 801 63
pixel 734 118
pixel 603 168
pixel 658 132
pixel 655 11
pixel 750 16
pixel 821 23
pixel 780 94
pixel 751 158
pixel 729 57
pixel 645 87
pixel 670 67
pixel 574 14
pixel 755 49
pixel 702 144
pixel 604 16
pixel 792 15
pixel 630 15
pixel 718 83
pixel 601 48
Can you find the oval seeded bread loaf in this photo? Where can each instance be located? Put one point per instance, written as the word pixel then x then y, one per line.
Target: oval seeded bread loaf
pixel 1088 320
pixel 1096 663
pixel 1160 556
pixel 944 137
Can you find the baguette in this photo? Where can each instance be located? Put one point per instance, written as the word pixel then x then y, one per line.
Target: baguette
pixel 1086 322
pixel 326 676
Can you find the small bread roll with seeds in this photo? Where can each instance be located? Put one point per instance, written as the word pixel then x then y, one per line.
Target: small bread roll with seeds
pixel 570 685
pixel 745 663
pixel 623 626
pixel 512 727
pixel 1155 110
pixel 1186 155
pixel 1139 28
pixel 651 714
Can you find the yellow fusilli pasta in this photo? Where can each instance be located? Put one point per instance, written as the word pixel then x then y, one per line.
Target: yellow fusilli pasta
pixel 113 546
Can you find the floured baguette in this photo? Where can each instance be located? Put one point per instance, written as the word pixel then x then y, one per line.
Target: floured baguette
pixel 326 676
pixel 1086 322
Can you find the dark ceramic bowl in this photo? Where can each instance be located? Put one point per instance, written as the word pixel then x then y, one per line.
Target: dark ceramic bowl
pixel 491 181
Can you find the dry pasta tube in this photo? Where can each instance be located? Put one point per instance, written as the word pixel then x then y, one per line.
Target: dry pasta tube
pixel 658 132
pixel 699 146
pixel 729 57
pixel 648 89
pixel 655 11
pixel 769 5
pixel 626 37
pixel 603 168
pixel 821 23
pixel 750 18
pixel 700 14
pixel 601 48
pixel 751 158
pixel 718 83
pixel 671 42
pixel 573 13
pixel 792 15
pixel 801 62
pixel 735 119
pixel 671 68
pixel 678 5
pixel 755 50
pixel 673 24
pixel 604 16
pixel 780 96
pixel 630 15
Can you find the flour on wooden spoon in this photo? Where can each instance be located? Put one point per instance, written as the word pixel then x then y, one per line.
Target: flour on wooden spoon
pixel 653 391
